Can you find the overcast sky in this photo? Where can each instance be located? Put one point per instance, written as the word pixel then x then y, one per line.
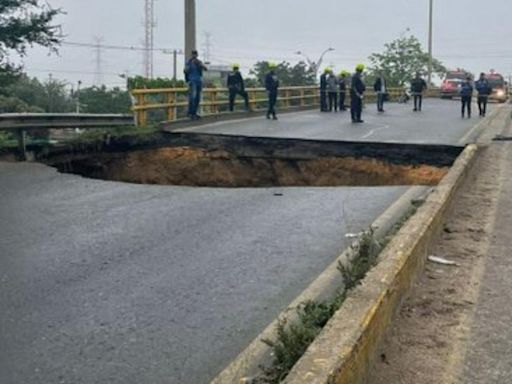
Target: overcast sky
pixel 473 34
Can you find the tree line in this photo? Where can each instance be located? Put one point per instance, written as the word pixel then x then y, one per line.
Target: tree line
pixel 24 23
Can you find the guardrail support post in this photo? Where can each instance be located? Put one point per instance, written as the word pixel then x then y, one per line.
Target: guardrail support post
pixel 22 144
pixel 214 108
pixel 302 101
pixel 142 115
pixel 170 110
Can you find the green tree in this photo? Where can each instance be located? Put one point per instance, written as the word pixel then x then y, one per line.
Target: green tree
pixel 33 95
pixel 401 59
pixel 24 23
pixel 103 100
pixel 299 74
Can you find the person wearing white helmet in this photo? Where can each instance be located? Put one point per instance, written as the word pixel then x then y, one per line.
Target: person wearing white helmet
pixel 357 90
pixel 236 87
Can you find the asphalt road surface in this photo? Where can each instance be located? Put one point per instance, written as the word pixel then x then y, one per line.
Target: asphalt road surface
pixel 438 123
pixel 104 282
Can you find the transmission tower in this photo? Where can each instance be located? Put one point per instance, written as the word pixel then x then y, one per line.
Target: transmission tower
pixel 149 37
pixel 98 53
pixel 207 46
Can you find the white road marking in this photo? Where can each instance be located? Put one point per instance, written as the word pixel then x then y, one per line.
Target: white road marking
pixel 374 130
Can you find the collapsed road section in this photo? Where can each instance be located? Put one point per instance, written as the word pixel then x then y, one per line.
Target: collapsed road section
pixel 238 161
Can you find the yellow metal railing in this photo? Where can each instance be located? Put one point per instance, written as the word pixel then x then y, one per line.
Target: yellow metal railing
pixel 169 104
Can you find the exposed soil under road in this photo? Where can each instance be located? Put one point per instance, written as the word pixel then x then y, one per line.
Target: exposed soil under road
pixel 425 342
pixel 220 168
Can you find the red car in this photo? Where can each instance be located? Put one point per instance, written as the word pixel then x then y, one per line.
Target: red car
pixel 452 82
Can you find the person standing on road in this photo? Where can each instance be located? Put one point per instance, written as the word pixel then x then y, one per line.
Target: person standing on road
pixel 323 90
pixel 236 87
pixel 484 90
pixel 380 88
pixel 418 86
pixel 332 88
pixel 357 90
pixel 272 87
pixel 343 89
pixel 194 77
pixel 466 93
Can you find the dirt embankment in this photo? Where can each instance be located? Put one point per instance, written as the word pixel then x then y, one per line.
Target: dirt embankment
pixel 219 168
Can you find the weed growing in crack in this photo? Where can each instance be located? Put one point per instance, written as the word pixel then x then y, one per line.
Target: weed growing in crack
pixel 295 337
pixel 364 256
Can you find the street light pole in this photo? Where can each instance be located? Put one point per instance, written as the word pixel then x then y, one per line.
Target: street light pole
pixel 430 22
pixel 315 65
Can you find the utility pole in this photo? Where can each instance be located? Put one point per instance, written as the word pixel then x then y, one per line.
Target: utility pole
pixel 98 51
pixel 78 96
pixel 190 27
pixel 149 37
pixel 430 22
pixel 174 53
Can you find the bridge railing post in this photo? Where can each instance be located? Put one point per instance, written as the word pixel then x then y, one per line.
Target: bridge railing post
pixel 22 144
pixel 141 114
pixel 171 106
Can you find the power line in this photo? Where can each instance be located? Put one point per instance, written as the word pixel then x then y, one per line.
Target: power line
pixel 112 47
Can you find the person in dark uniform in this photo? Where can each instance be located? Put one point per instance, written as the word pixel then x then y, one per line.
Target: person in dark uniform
pixel 418 86
pixel 357 90
pixel 236 87
pixel 466 93
pixel 343 89
pixel 323 90
pixel 484 90
pixel 272 87
pixel 381 90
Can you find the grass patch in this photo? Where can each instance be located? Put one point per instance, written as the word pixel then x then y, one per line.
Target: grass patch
pixel 294 337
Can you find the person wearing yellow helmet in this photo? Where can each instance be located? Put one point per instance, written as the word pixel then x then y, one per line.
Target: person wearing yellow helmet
pixel 357 90
pixel 236 87
pixel 343 89
pixel 323 90
pixel 272 87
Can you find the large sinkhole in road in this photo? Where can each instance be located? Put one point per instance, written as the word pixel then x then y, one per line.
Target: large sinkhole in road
pixel 239 161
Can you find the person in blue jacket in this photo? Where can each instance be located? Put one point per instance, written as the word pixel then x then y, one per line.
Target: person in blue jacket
pixel 484 90
pixel 357 90
pixel 194 77
pixel 272 87
pixel 466 93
